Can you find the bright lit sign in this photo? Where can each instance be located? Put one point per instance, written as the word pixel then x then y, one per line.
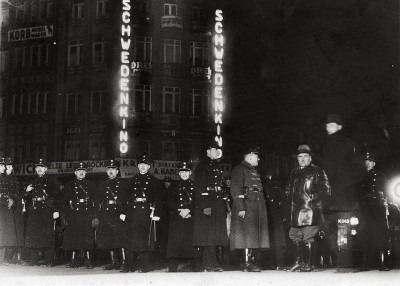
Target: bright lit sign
pixel 218 74
pixel 124 76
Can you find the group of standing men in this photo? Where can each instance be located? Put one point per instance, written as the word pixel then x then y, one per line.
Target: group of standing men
pixel 120 216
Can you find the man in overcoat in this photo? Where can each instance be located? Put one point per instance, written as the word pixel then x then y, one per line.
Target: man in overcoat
pixel 308 188
pixel 210 212
pixel 80 202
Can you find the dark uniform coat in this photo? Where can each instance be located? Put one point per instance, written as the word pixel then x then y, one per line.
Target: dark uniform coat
pixel 81 205
pixel 209 230
pixel 374 230
pixel 247 194
pixel 308 188
pixel 113 198
pixel 142 195
pixel 19 214
pixel 41 202
pixel 180 237
pixel 8 231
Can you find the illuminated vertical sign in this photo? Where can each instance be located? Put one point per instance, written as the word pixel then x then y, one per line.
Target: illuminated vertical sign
pixel 124 76
pixel 218 75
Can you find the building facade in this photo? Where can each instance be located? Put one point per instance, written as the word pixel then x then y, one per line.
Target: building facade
pixel 60 69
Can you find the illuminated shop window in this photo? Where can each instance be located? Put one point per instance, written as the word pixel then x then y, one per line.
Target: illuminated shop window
pixel 170 99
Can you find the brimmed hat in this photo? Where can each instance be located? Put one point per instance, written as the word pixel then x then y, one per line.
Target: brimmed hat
pixel 145 159
pixel 369 156
pixel 81 166
pixel 41 163
pixel 184 166
pixel 112 164
pixel 2 161
pixel 334 118
pixel 303 148
pixel 212 144
pixel 9 161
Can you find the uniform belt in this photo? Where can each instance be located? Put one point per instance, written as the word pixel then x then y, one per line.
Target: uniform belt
pixel 39 199
pixel 4 196
pixel 240 196
pixel 82 201
pixel 216 188
pixel 111 202
pixel 140 200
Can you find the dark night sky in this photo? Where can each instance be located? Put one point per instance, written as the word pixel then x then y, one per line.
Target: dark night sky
pixel 293 62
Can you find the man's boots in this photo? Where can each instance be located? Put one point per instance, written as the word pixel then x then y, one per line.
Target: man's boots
pixel 250 265
pixel 309 254
pixel 73 263
pixel 88 262
pixel 298 263
pixel 383 260
pixel 114 262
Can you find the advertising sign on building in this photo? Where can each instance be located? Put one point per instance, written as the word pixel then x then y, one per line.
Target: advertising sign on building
pixel 31 33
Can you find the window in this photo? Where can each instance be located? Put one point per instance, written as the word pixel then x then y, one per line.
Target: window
pixel 42 101
pixel 140 7
pixel 47 55
pixel 33 10
pixel 17 102
pixel 24 57
pixel 199 102
pixel 97 102
pixel 142 99
pixel 17 58
pixel 199 54
pixel 97 146
pixel 49 10
pixel 2 107
pixel 77 11
pixel 33 56
pixel 169 150
pixel 101 8
pixel 143 49
pixel 170 99
pixel 98 51
pixel 72 104
pixel 172 51
pixel 43 6
pixel 3 61
pixel 19 13
pixel 72 148
pixel 5 17
pixel 170 9
pixel 75 53
pixel 41 55
pixel 197 14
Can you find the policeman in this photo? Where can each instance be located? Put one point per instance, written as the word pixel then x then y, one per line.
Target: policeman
pixel 19 214
pixel 210 229
pixel 113 199
pixel 374 228
pixel 80 203
pixel 181 206
pixel 163 225
pixel 142 215
pixel 249 229
pixel 42 199
pixel 8 198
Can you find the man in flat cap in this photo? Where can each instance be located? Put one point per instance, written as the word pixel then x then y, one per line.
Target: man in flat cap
pixel 181 206
pixel 80 202
pixel 374 228
pixel 43 204
pixel 210 212
pixel 113 194
pixel 308 188
pixel 249 228
pixel 8 199
pixel 142 213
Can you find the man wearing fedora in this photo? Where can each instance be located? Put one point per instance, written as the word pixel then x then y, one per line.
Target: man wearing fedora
pixel 374 228
pixel 308 188
pixel 113 196
pixel 249 227
pixel 210 230
pixel 142 213
pixel 80 202
pixel 42 199
pixel 181 206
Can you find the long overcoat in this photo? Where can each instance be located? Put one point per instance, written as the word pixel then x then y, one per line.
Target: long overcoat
pixel 8 227
pixel 113 198
pixel 81 205
pixel 209 230
pixel 180 238
pixel 247 194
pixel 18 211
pixel 41 201
pixel 143 195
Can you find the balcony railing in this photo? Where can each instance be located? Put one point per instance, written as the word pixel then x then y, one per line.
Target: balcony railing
pixel 171 22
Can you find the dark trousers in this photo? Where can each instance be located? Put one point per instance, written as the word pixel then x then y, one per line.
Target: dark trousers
pixel 209 257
